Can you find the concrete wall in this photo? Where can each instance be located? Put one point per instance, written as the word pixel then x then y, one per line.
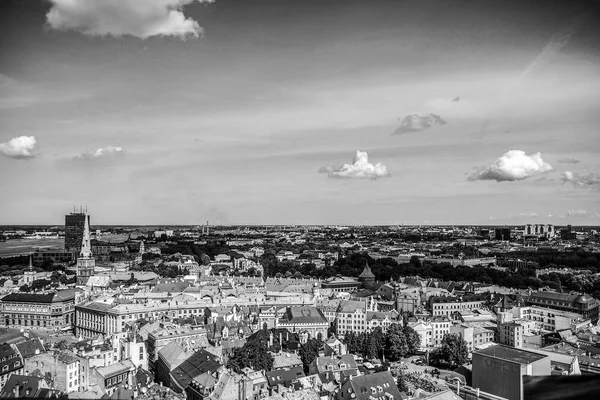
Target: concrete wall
pixel 499 377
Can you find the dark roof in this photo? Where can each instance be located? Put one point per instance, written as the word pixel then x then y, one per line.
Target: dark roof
pixel 29 297
pixel 511 354
pixel 62 295
pixel 367 273
pixel 30 348
pixel 27 387
pixel 304 315
pixel 200 362
pixel 362 386
pixel 284 376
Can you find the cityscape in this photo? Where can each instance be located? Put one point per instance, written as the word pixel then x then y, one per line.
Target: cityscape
pixel 282 200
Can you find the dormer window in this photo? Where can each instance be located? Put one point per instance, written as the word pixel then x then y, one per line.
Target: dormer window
pixel 17 364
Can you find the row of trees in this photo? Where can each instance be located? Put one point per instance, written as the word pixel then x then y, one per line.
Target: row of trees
pixel 388 268
pixel 396 343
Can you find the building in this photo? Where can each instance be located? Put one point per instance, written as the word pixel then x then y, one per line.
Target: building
pixel 85 262
pixel 74 226
pixel 309 322
pixel 23 386
pixel 10 363
pixel 40 256
pixel 40 310
pixel 578 303
pixel 366 277
pixel 499 370
pixel 380 386
pixel 547 318
pixel 62 366
pixel 539 230
pixel 113 377
pixel 341 284
pixel 447 306
pixel 166 333
pixel 502 234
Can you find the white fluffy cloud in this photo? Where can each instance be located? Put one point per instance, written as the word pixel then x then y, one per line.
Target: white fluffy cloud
pixel 514 165
pixel 590 180
pixel 108 152
pixel 418 123
pixel 21 147
pixel 140 18
pixel 360 168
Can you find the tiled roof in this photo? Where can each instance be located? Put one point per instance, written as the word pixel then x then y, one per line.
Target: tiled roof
pixel 283 376
pixel 305 315
pixel 30 348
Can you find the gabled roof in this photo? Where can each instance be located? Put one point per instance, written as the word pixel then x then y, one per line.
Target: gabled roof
pixel 22 386
pixel 196 365
pixel 373 386
pixel 30 348
pixel 284 376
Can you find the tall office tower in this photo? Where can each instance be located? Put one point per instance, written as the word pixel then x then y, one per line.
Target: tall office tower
pixel 74 225
pixel 85 262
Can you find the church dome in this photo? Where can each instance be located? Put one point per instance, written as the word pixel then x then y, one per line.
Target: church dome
pixel 583 299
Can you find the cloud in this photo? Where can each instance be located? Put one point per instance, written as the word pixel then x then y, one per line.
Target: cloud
pixel 139 18
pixel 568 160
pixel 418 123
pixel 524 215
pixel 108 152
pixel 577 213
pixel 360 168
pixel 582 181
pixel 21 147
pixel 514 165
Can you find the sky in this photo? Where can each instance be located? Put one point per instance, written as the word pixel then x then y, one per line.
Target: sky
pixel 300 112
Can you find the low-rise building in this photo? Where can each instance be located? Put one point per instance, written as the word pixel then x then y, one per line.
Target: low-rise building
pixel 55 310
pixel 10 363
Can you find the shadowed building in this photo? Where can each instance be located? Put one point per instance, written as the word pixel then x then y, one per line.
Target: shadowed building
pixel 74 226
pixel 499 370
pixel 85 262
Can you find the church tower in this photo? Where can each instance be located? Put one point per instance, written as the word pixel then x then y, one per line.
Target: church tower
pixel 29 275
pixel 85 262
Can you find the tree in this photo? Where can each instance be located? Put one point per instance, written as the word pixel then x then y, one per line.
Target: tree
pixel 374 344
pixel 309 351
pixel 413 339
pixel 454 350
pixel 253 354
pixel 396 345
pixel 401 383
pixel 25 288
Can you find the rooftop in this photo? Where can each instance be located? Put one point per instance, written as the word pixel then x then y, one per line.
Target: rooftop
pixel 511 354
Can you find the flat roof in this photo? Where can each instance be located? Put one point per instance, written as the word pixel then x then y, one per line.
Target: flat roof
pixel 511 354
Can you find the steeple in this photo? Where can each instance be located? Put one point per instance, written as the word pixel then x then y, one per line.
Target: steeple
pixel 31 262
pixel 86 246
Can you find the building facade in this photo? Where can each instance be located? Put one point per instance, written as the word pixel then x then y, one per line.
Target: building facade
pixel 578 303
pixel 74 226
pixel 36 310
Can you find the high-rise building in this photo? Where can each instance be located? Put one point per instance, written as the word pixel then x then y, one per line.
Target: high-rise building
pixel 502 234
pixel 85 262
pixel 74 224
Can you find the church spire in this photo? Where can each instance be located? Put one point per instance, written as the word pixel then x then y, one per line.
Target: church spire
pixel 86 246
pixel 31 262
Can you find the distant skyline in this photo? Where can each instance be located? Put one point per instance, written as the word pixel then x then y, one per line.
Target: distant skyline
pixel 315 112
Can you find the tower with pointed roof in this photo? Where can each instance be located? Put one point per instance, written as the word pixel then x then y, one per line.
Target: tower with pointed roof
pixel 29 275
pixel 366 277
pixel 85 261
